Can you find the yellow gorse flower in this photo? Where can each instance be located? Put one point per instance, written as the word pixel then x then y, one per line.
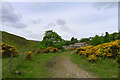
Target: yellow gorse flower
pixel 7 50
pixel 111 49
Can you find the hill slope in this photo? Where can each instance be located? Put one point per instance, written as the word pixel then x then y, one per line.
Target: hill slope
pixel 19 42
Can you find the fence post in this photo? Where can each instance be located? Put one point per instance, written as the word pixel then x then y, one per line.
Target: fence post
pixel 11 57
pixel 22 56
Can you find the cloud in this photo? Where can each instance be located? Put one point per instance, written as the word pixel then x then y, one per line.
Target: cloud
pixel 65 28
pixel 36 21
pixel 8 13
pixel 104 5
pixel 50 25
pixel 15 25
pixel 32 35
pixel 10 17
pixel 67 19
pixel 60 27
pixel 60 22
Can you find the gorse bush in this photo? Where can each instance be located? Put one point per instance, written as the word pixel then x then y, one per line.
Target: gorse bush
pixel 106 50
pixel 47 50
pixel 7 50
pixel 72 48
pixel 52 49
pixel 92 58
pixel 40 51
pixel 29 55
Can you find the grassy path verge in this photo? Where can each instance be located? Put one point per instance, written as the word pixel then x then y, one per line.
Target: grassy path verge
pixel 104 68
pixel 35 68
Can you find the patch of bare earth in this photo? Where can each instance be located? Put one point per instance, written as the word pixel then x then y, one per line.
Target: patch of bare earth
pixel 62 67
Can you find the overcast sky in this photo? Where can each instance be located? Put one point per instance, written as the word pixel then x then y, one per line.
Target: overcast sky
pixel 68 19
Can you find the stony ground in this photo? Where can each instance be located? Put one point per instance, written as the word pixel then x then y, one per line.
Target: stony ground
pixel 62 67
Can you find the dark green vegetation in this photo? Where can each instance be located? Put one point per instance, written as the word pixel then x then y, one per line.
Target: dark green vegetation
pixel 72 41
pixel 52 39
pixel 96 40
pixel 104 68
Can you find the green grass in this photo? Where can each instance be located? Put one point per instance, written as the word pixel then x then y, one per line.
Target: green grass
pixel 0 67
pixel 38 66
pixel 104 68
pixel 35 68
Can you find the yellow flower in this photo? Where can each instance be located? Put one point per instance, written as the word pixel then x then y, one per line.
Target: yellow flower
pixel 91 58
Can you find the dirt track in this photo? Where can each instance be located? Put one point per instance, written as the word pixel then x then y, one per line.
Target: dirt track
pixel 62 67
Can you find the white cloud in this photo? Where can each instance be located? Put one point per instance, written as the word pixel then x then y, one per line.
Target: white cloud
pixel 105 5
pixel 10 17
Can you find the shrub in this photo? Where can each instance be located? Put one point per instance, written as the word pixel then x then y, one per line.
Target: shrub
pixel 92 58
pixel 106 50
pixel 41 51
pixel 29 55
pixel 47 50
pixel 72 48
pixel 52 49
pixel 7 50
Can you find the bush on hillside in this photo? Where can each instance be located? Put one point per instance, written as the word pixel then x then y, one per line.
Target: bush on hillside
pixel 47 50
pixel 41 51
pixel 29 55
pixel 8 50
pixel 52 49
pixel 92 58
pixel 106 50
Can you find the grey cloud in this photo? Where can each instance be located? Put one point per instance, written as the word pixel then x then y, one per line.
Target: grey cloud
pixel 104 5
pixel 61 27
pixel 66 29
pixel 50 25
pixel 19 25
pixel 60 22
pixel 8 13
pixel 36 21
pixel 10 17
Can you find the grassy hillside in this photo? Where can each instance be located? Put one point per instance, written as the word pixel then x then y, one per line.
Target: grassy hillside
pixel 20 43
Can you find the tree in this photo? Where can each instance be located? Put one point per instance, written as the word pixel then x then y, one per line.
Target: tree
pixel 74 40
pixel 118 35
pixel 96 40
pixel 85 40
pixel 106 37
pixel 52 39
pixel 113 36
pixel 67 42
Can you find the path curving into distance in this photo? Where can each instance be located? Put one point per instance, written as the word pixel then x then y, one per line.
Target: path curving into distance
pixel 63 67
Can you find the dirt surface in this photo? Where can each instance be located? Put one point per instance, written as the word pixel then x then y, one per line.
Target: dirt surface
pixel 62 67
